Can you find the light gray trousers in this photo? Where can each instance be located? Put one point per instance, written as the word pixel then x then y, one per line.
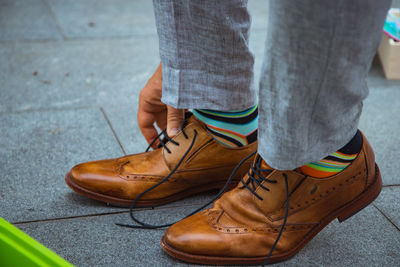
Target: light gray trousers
pixel 317 57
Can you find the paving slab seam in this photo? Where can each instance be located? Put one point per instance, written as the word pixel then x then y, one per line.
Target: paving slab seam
pixel 74 39
pixel 104 214
pixel 112 130
pixel 54 16
pixel 70 218
pixel 38 40
pixel 66 108
pixel 109 38
pixel 386 217
pixel 391 185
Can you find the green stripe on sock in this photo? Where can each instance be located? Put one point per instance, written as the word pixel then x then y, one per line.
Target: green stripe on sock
pixel 238 128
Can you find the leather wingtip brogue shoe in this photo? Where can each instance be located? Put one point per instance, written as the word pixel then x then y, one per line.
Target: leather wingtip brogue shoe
pixel 274 213
pixel 192 161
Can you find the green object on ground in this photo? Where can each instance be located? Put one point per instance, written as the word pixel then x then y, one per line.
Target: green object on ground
pixel 19 249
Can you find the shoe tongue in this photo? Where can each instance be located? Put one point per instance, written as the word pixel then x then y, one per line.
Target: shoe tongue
pixel 192 119
pixel 264 165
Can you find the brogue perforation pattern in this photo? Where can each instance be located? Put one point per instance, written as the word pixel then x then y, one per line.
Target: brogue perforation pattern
pixel 324 194
pixel 213 216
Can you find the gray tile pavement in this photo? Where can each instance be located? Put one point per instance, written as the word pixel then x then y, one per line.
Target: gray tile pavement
pixel 388 204
pixel 75 73
pixel 88 19
pixel 380 121
pixel 70 73
pixel 97 241
pixel 27 20
pixel 258 10
pixel 123 120
pixel 37 149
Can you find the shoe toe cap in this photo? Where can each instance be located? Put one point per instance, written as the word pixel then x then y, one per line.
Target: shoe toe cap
pixel 93 174
pixel 195 235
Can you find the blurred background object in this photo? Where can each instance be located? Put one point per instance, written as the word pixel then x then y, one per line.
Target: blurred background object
pixel 389 49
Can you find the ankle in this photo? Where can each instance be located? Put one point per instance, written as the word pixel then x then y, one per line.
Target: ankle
pixel 230 128
pixel 335 162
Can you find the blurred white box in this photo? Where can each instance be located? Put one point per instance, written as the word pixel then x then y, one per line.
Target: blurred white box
pixel 389 54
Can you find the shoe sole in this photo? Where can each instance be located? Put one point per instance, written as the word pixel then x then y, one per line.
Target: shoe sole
pixel 125 203
pixel 342 214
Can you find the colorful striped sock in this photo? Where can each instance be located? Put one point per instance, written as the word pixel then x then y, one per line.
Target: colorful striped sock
pixel 230 128
pixel 335 162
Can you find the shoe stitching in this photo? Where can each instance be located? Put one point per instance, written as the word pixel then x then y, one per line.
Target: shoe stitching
pixel 276 215
pixel 166 150
pixel 213 218
pixel 144 225
pixel 199 150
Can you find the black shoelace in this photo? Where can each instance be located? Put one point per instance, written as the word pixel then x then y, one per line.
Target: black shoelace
pixel 143 225
pixel 255 179
pixel 163 142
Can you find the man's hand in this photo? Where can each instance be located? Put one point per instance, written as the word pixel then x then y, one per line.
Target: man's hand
pixel 152 110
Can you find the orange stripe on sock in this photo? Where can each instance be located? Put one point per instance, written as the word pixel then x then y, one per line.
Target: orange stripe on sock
pixel 315 173
pixel 225 130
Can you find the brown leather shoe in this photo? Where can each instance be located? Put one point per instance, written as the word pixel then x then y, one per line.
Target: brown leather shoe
pixel 201 164
pixel 243 225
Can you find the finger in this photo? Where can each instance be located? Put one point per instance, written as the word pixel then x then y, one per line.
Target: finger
pixel 161 120
pixel 146 125
pixel 175 118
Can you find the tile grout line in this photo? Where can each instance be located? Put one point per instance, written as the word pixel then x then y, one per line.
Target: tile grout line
pixel 55 19
pixel 387 218
pixel 391 185
pixel 112 130
pixel 74 39
pixel 115 37
pixel 101 214
pixel 46 109
pixel 70 217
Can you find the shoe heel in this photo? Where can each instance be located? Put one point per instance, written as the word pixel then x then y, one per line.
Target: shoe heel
pixel 369 195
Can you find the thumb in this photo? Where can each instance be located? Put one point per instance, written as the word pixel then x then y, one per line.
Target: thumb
pixel 174 120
